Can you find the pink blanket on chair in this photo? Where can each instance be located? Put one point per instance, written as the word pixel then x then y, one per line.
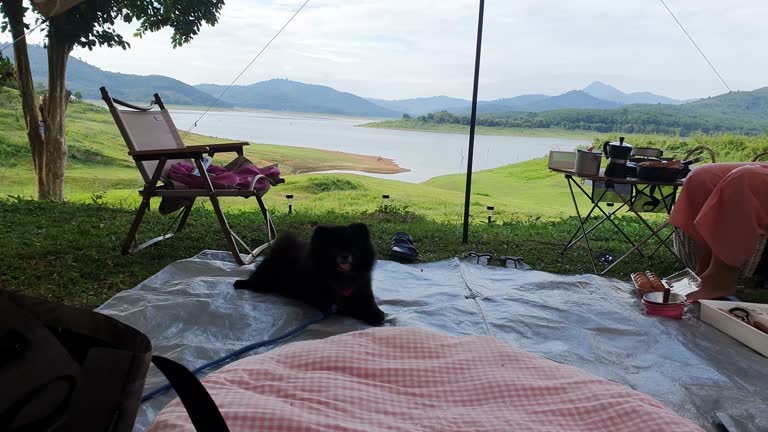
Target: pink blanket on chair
pixel 222 178
pixel 406 379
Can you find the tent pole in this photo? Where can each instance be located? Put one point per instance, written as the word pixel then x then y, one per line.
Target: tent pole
pixel 473 122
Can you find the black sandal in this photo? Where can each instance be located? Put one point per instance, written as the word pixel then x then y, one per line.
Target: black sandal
pixel 514 262
pixel 481 258
pixel 402 248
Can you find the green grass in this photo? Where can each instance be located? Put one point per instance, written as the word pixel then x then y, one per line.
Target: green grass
pixel 526 187
pixel 76 259
pixel 415 125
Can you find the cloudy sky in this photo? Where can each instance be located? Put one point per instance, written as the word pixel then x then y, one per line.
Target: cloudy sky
pixel 410 48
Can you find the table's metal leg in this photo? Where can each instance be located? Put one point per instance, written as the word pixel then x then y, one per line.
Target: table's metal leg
pixel 581 224
pixel 668 208
pixel 607 216
pixel 653 231
pixel 571 243
pixel 666 239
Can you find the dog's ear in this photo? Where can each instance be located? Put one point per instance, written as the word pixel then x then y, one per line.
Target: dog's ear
pixel 360 229
pixel 320 233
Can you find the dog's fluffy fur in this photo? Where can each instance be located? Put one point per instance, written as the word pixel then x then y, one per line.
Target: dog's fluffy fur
pixel 333 269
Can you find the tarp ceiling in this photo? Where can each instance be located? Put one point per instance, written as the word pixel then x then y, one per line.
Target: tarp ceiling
pixel 51 8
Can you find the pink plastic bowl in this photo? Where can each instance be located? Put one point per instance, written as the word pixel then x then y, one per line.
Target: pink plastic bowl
pixel 671 310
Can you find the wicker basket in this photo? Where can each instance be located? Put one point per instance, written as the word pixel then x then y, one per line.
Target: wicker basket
pixel 684 247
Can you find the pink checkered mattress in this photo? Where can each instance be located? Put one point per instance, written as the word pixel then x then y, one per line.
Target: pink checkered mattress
pixel 407 379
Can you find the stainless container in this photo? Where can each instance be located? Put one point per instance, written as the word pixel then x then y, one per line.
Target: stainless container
pixel 563 160
pixel 647 152
pixel 588 163
pixel 658 298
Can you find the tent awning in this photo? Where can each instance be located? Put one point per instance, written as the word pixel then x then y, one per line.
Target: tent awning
pixel 51 8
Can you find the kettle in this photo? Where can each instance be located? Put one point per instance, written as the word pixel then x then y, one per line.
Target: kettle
pixel 618 155
pixel 617 151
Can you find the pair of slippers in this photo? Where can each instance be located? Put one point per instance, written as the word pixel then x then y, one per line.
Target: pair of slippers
pixel 506 261
pixel 402 248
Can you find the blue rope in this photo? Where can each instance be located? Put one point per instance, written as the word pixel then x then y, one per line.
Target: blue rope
pixel 164 388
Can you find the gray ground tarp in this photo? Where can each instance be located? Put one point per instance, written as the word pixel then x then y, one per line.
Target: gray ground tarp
pixel 193 315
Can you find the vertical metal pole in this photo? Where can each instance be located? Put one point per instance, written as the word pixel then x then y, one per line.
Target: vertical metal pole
pixel 473 122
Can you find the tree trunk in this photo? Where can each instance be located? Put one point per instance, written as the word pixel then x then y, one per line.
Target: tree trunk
pixel 55 110
pixel 14 11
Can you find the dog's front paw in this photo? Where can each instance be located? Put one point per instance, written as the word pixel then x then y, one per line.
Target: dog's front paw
pixel 242 284
pixel 375 317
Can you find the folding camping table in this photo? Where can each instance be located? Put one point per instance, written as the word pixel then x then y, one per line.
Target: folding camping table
pixel 627 190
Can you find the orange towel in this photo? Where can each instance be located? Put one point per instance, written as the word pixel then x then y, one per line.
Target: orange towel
pixel 725 206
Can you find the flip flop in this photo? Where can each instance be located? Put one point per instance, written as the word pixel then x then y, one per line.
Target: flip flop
pixel 402 248
pixel 481 258
pixel 514 262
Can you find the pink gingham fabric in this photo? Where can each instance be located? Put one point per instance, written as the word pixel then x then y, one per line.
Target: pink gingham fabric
pixel 407 379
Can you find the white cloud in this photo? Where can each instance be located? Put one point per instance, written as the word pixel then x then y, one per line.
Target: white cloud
pixel 409 48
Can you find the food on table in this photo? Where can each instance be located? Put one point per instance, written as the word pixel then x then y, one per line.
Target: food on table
pixel 647 282
pixel 660 164
pixel 641 282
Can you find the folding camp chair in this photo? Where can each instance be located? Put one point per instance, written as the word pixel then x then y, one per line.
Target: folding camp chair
pixel 153 140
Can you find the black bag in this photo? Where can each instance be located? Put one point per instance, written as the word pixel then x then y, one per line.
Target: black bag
pixel 67 369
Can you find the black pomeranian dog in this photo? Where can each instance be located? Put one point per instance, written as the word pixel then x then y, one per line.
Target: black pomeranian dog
pixel 333 269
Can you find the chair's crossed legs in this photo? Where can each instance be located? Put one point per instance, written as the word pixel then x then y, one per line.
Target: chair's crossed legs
pixel 131 245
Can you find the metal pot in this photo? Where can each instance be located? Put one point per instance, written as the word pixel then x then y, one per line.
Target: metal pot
pixel 588 163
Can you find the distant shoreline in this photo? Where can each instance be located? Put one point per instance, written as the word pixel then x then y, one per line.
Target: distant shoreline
pixel 405 125
pixel 318 115
pixel 481 130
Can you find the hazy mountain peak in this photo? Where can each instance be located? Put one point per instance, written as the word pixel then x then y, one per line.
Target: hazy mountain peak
pixel 602 90
pixel 607 92
pixel 280 94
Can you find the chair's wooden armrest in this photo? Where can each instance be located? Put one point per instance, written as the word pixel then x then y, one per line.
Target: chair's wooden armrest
pixel 236 147
pixel 175 153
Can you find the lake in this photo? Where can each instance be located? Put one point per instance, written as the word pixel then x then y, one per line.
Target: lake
pixel 425 154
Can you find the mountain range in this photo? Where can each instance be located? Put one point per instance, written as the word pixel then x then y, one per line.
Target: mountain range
pixel 596 106
pixel 87 79
pixel 286 95
pixel 597 95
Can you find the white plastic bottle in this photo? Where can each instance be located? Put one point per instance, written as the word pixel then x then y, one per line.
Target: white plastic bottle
pixel 206 163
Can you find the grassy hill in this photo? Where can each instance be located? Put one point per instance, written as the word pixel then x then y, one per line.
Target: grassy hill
pixel 98 159
pixel 100 169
